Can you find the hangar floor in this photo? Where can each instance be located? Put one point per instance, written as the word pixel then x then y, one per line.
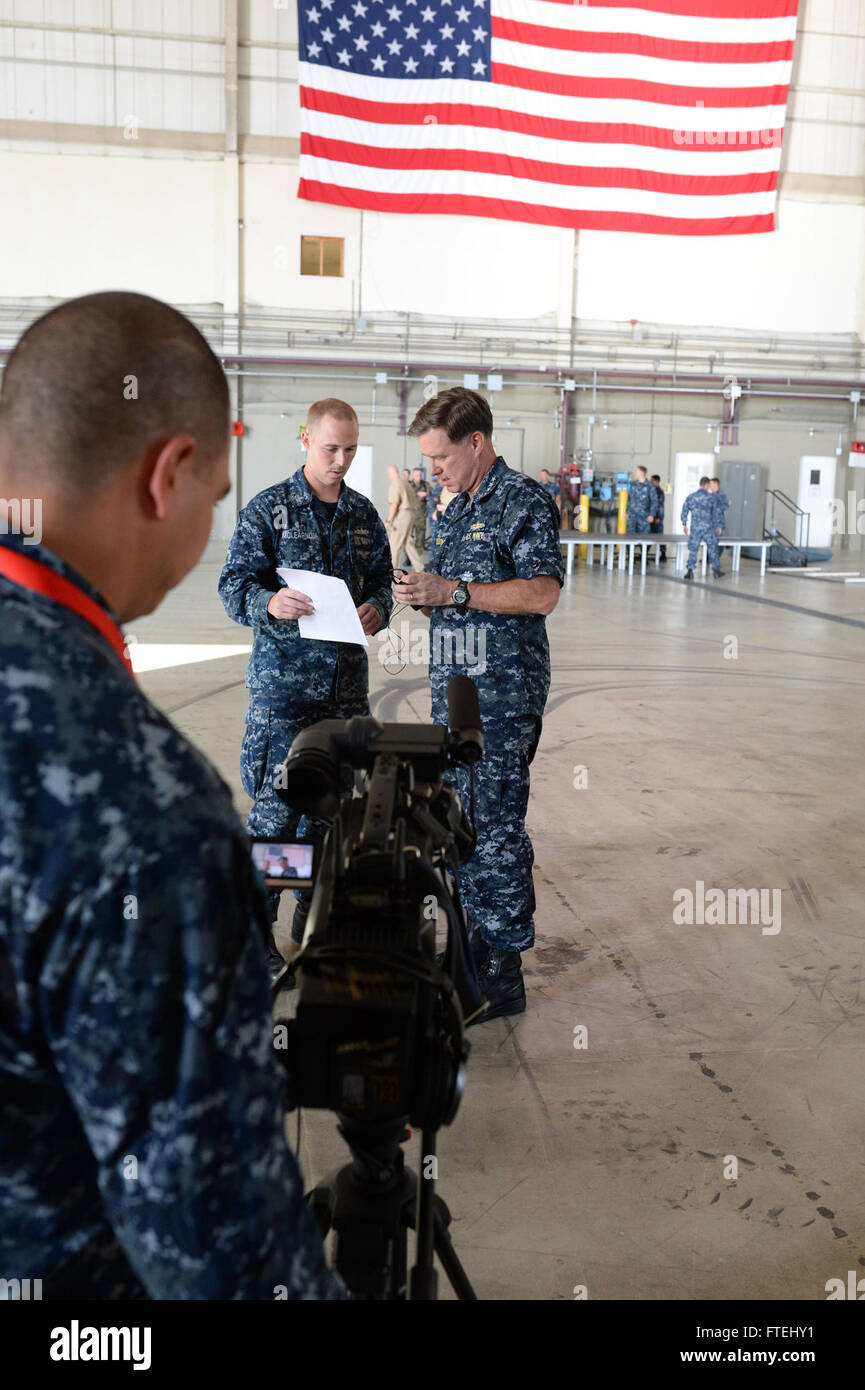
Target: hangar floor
pixel 732 763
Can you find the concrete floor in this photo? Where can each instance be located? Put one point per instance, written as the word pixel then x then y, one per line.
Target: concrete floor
pixel 604 1166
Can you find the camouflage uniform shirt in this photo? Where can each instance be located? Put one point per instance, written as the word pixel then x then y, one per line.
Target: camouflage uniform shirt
pixel 279 528
pixel 142 1149
pixel 508 530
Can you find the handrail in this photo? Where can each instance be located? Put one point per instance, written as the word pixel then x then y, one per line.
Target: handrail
pixel 799 512
pixel 782 497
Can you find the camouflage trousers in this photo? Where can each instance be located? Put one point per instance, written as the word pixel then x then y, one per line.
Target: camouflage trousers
pixel 695 538
pixel 637 523
pixel 496 884
pixel 267 738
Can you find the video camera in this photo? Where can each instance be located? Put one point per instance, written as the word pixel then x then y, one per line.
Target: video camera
pixel 379 1031
pixel 379 1027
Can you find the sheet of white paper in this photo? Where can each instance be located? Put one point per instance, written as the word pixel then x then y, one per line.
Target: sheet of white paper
pixel 335 618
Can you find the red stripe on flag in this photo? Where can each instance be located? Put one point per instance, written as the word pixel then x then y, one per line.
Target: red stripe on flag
pixel 629 89
pixel 646 45
pixel 699 9
pixel 550 128
pixel 433 204
pixel 483 162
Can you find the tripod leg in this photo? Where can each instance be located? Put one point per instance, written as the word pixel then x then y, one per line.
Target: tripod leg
pixel 451 1262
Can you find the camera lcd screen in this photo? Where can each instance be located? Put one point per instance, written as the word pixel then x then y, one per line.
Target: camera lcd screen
pixel 285 863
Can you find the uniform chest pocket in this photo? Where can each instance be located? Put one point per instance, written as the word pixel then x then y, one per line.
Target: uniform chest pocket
pixel 474 556
pixel 300 548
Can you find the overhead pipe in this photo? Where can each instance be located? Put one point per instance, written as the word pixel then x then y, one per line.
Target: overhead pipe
pixel 595 386
pixel 401 368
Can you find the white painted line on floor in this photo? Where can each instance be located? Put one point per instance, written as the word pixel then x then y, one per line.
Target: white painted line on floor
pixel 158 656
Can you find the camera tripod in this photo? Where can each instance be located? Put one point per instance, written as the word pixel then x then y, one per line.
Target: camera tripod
pixel 371 1204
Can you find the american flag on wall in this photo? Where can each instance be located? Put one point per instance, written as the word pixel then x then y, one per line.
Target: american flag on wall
pixel 660 116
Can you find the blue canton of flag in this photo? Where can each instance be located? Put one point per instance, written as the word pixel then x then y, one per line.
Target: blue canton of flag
pixel 450 38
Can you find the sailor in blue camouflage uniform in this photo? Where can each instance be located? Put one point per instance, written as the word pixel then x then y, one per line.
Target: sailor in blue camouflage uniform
pixel 495 572
pixel 642 499
pixel 722 503
pixel 701 508
pixel 142 1148
pixel 310 521
pixel 549 485
pixel 657 525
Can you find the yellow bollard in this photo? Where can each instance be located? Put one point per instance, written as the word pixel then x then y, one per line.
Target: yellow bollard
pixel 583 525
pixel 622 522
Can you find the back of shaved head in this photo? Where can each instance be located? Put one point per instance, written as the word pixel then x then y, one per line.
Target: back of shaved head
pixel 98 381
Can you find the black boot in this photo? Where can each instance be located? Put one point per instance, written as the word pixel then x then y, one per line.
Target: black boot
pixel 501 980
pixel 689 574
pixel 275 962
pixel 719 574
pixel 298 921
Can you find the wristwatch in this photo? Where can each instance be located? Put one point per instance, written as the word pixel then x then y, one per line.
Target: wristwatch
pixel 460 595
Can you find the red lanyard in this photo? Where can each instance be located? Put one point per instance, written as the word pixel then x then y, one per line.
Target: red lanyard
pixel 32 574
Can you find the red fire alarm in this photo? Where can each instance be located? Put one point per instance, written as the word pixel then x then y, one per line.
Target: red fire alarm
pixel 237 427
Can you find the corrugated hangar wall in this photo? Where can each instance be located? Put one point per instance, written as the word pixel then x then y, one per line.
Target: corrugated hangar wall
pixel 129 157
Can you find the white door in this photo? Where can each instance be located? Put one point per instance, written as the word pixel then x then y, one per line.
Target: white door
pixel 816 490
pixel 360 473
pixel 690 468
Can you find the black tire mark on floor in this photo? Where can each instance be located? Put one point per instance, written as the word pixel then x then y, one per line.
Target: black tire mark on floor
pixel 805 900
pixel 787 1168
pixel 197 699
pixel 536 1091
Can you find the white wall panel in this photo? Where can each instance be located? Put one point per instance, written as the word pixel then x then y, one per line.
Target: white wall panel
pixel 274 221
pixel 805 277
pixel 270 21
pixel 85 222
pixel 467 266
pixel 270 105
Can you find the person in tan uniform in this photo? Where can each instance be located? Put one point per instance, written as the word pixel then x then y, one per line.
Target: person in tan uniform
pixel 445 496
pixel 402 500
